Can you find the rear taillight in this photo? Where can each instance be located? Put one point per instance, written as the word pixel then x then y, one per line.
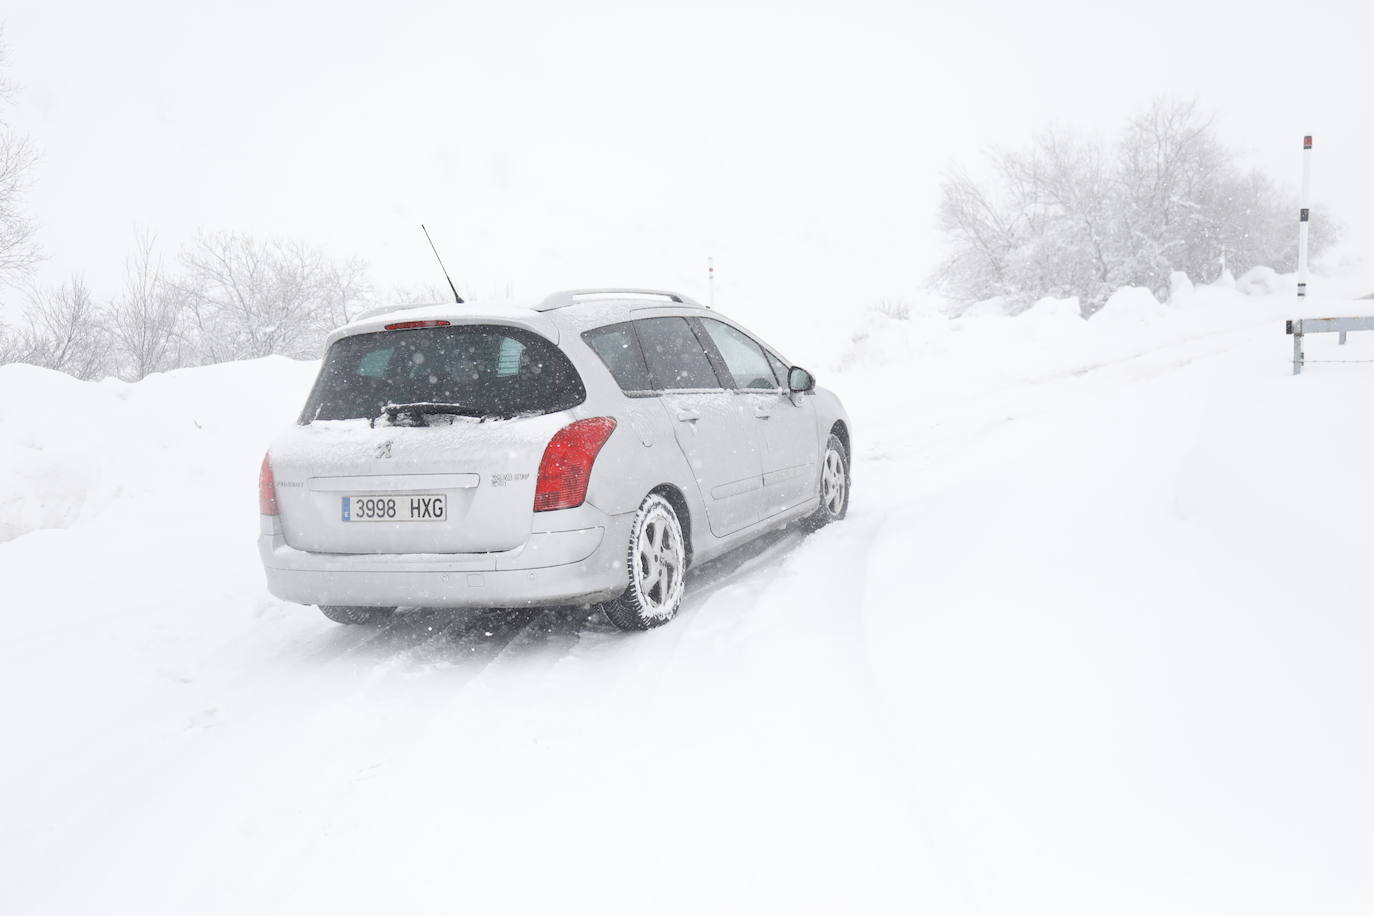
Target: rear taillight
pixel 567 463
pixel 267 487
pixel 408 325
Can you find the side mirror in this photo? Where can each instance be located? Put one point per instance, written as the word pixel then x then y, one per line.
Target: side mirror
pixel 799 380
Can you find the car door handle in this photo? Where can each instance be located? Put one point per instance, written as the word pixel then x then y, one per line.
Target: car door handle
pixel 763 413
pixel 688 416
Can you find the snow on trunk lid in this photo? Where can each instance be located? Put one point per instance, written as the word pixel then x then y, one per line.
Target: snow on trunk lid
pixel 484 471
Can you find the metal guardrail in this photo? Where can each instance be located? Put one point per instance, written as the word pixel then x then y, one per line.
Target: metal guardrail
pixel 1299 327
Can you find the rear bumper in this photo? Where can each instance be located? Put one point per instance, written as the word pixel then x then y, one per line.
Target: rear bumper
pixel 576 566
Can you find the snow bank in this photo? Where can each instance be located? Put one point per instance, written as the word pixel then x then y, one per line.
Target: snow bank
pixel 70 450
pixel 1264 281
pixel 1130 305
pixel 47 464
pixel 986 347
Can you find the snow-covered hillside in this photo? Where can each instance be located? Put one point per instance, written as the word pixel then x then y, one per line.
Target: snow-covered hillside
pixel 1094 639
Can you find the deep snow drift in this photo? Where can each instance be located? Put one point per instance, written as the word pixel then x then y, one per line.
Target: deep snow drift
pixel 1093 639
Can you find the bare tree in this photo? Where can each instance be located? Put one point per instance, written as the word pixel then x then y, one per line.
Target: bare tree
pixel 12 348
pixel 248 298
pixel 66 332
pixel 981 233
pixel 235 298
pixel 348 290
pixel 421 294
pixel 18 251
pixel 147 320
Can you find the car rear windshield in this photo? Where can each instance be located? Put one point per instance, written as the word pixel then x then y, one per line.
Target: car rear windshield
pixel 487 370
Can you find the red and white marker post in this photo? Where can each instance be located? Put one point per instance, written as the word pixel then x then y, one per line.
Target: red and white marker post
pixel 711 282
pixel 1303 214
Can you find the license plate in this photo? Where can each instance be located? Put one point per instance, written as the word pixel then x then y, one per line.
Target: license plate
pixel 421 507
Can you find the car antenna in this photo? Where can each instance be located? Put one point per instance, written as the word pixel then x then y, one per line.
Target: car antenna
pixel 456 298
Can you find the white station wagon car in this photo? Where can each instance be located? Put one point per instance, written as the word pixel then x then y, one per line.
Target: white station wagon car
pixel 585 450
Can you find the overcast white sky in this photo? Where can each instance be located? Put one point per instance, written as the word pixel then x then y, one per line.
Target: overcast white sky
pixel 580 143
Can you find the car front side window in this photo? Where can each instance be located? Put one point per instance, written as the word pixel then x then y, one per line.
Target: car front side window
pixel 743 357
pixel 780 369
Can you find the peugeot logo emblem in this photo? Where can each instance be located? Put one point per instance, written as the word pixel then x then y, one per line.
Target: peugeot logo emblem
pixel 384 450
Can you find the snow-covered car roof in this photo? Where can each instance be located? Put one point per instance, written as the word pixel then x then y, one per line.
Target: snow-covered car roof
pixel 590 307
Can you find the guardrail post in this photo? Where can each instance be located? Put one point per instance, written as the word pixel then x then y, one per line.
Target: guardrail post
pixel 1342 338
pixel 1297 348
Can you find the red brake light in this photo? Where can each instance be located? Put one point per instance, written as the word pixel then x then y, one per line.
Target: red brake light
pixel 407 325
pixel 567 463
pixel 267 487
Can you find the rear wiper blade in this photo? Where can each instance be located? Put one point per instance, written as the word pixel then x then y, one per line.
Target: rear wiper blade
pixel 415 412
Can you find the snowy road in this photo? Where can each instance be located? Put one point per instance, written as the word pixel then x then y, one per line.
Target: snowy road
pixel 1061 656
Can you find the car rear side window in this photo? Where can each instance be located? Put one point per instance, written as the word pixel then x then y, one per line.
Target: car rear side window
pixel 488 370
pixel 617 347
pixel 743 357
pixel 675 356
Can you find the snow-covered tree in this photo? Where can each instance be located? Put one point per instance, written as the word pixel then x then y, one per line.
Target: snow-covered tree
pixel 1072 217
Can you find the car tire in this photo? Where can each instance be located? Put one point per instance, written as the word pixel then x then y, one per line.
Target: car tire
pixel 656 563
pixel 834 485
pixel 356 616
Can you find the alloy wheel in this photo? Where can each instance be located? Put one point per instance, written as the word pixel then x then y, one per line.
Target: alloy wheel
pixel 659 561
pixel 834 483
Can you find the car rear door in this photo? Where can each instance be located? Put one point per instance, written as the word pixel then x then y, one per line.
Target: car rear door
pixel 785 425
pixel 711 425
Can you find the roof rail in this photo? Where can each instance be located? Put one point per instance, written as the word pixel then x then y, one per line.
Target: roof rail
pixel 567 297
